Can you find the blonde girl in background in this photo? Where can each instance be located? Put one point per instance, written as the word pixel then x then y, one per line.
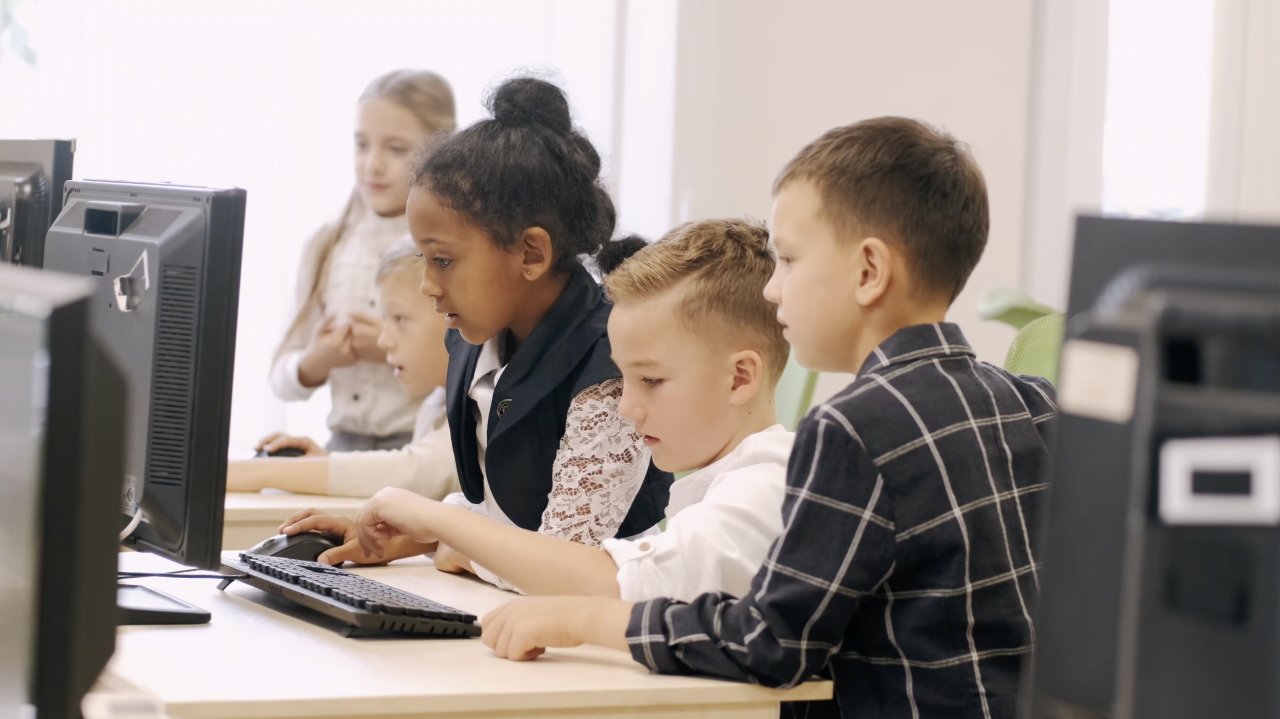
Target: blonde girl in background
pixel 333 338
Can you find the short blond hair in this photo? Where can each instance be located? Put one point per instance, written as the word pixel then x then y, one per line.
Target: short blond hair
pixel 722 266
pixel 401 257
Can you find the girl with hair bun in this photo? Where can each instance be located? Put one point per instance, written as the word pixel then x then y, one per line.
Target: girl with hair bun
pixel 504 212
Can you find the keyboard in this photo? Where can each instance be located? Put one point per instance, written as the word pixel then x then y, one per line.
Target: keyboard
pixel 366 606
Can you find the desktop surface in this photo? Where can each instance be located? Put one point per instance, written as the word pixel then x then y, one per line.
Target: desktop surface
pixel 264 657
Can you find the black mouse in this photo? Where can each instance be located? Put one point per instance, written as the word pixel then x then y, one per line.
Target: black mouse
pixel 307 546
pixel 282 452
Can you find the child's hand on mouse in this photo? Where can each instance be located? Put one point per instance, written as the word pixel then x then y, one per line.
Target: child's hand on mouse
pixel 344 530
pixel 331 347
pixel 279 440
pixel 365 330
pixel 393 513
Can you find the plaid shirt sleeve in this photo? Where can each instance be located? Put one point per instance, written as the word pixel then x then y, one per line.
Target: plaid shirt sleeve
pixel 801 602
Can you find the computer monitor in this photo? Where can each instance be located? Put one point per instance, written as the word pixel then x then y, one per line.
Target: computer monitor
pixel 33 174
pixel 1126 596
pixel 63 451
pixel 164 261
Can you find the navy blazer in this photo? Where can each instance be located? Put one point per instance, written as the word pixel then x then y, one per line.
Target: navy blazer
pixel 565 354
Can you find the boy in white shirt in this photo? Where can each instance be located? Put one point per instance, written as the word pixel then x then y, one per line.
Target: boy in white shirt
pixel 700 355
pixel 413 338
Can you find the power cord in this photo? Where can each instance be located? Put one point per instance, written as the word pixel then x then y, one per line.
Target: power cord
pixel 178 575
pixel 133 524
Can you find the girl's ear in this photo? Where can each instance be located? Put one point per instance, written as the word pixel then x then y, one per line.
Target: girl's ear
pixel 748 376
pixel 534 246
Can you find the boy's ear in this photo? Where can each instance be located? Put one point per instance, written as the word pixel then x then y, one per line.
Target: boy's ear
pixel 748 376
pixel 535 249
pixel 873 265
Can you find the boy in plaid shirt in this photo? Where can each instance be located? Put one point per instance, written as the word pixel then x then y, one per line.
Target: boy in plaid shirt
pixel 906 570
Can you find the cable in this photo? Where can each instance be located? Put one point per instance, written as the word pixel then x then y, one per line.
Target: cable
pixel 133 524
pixel 139 575
pixel 165 574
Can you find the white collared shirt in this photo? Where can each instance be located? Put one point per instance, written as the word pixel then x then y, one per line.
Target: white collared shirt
pixel 721 522
pixel 489 369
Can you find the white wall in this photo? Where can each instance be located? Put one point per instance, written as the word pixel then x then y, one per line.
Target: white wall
pixel 757 80
pixel 1064 162
pixel 1244 150
pixel 261 94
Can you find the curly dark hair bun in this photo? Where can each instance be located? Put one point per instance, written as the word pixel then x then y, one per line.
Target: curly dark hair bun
pixel 612 255
pixel 528 101
pixel 526 167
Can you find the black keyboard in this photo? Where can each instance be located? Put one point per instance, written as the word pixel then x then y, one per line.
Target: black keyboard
pixel 367 606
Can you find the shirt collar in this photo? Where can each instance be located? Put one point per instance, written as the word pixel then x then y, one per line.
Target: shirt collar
pixel 488 362
pixel 940 339
pixel 692 488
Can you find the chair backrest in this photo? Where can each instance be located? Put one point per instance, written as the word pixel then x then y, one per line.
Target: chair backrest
pixel 794 393
pixel 1036 347
pixel 1011 307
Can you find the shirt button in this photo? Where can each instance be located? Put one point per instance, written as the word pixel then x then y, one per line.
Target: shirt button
pixel 355 398
pixel 372 303
pixel 644 546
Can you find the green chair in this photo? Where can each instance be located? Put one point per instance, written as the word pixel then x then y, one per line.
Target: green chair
pixel 794 393
pixel 1011 307
pixel 1035 348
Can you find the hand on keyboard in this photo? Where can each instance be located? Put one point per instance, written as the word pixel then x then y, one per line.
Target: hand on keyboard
pixel 341 528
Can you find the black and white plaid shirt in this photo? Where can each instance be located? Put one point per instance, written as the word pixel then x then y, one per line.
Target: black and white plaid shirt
pixel 907 565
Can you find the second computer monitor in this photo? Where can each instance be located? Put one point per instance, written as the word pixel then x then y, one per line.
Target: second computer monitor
pixel 33 174
pixel 165 262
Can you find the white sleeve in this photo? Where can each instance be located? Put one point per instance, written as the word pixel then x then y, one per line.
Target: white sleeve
pixel 458 499
pixel 716 545
pixel 284 378
pixel 425 467
pixel 598 469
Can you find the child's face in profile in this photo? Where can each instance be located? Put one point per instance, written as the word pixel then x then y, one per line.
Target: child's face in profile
pixel 474 283
pixel 814 282
pixel 676 387
pixel 412 334
pixel 386 135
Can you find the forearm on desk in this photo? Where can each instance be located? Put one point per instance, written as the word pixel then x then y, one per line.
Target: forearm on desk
pixel 303 475
pixel 534 562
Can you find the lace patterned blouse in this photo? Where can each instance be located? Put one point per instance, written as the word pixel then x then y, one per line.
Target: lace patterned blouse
pixel 599 466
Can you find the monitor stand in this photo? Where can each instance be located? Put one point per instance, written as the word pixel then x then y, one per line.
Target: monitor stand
pixel 143 605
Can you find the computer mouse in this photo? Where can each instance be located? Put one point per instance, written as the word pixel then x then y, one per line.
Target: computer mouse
pixel 307 546
pixel 282 452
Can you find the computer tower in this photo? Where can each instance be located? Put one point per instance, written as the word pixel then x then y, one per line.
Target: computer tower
pixel 1160 594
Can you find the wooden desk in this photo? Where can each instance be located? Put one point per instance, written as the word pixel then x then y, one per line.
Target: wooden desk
pixel 250 517
pixel 262 657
